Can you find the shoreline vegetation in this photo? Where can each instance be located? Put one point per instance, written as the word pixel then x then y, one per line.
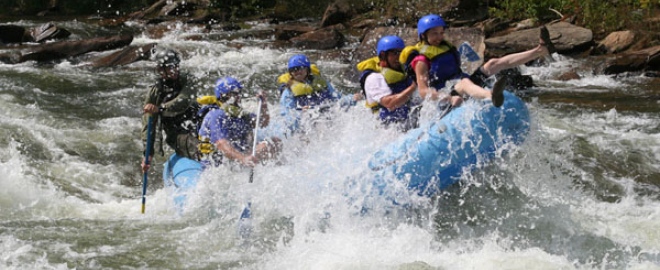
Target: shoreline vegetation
pixel 599 16
pixel 627 29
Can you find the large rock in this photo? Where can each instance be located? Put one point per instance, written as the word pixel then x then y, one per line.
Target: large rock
pixel 642 60
pixel 567 38
pixel 322 39
pixel 289 31
pixel 629 40
pixel 13 34
pixel 616 42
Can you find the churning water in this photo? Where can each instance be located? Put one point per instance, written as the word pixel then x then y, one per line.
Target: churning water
pixel 580 193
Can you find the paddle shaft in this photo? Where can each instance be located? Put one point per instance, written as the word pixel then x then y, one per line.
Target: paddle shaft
pixel 147 153
pixel 244 224
pixel 254 142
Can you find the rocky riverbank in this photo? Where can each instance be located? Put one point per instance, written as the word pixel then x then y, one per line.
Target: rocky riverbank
pixel 622 52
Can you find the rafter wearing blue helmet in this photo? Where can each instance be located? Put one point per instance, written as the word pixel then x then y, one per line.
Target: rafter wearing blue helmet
pixel 387 89
pixel 303 88
pixel 302 84
pixel 298 61
pixel 434 62
pixel 226 129
pixel 429 22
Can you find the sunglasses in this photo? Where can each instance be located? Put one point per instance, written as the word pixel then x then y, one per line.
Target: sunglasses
pixel 394 52
pixel 296 69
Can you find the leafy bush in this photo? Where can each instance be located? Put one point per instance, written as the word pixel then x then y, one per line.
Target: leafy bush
pixel 599 15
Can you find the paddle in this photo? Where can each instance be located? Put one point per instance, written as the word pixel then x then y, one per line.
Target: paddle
pixel 254 142
pixel 146 161
pixel 244 222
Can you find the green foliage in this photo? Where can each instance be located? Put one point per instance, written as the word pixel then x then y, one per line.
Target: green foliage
pixel 516 9
pixel 599 15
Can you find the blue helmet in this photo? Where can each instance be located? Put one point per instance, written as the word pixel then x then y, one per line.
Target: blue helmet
pixel 429 21
pixel 226 85
pixel 299 60
pixel 387 43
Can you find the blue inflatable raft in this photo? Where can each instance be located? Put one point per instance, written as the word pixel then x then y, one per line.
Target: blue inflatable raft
pixel 426 159
pixel 432 157
pixel 182 174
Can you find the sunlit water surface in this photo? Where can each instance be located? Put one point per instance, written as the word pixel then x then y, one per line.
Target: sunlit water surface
pixel 580 193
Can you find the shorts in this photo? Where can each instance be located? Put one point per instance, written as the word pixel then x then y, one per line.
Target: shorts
pixel 479 78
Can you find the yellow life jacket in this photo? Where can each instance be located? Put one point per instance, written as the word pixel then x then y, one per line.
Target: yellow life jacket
pixel 422 48
pixel 232 110
pixel 391 76
pixel 303 88
pixel 207 100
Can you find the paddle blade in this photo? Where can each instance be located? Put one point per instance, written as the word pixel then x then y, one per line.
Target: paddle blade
pixel 247 212
pixel 245 222
pixel 465 50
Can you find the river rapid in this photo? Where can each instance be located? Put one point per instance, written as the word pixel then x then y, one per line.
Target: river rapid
pixel 582 192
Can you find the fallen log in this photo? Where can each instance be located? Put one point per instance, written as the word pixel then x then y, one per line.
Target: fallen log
pixel 65 49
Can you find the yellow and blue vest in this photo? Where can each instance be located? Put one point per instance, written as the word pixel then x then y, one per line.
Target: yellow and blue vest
pixel 312 92
pixel 445 62
pixel 230 122
pixel 397 82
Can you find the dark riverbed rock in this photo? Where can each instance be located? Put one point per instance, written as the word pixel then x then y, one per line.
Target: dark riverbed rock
pixel 569 75
pixel 18 34
pixel 291 30
pixel 642 60
pixel 322 39
pixel 64 49
pixel 13 34
pixel 125 56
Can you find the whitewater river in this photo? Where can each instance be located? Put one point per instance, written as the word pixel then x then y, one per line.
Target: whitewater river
pixel 582 192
